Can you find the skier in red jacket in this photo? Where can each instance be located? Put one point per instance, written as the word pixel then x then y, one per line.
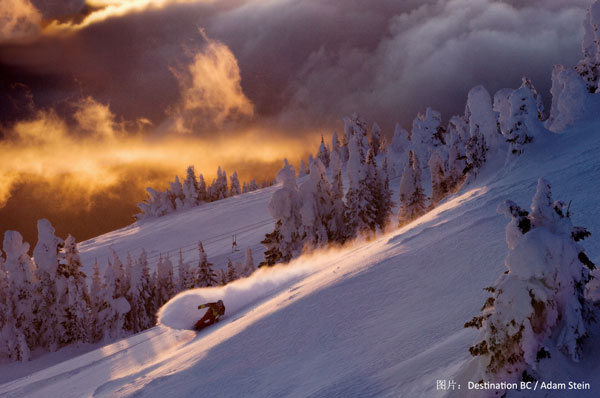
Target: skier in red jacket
pixel 215 311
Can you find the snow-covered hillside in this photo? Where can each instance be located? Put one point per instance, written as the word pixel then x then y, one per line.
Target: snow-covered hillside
pixel 379 318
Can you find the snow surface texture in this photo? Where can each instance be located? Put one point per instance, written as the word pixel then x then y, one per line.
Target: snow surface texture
pixel 380 318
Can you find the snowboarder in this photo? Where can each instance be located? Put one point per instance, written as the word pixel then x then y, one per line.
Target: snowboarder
pixel 215 311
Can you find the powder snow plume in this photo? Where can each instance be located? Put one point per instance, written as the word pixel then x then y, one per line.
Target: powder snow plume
pixel 181 312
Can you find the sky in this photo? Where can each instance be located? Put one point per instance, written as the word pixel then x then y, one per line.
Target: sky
pixel 101 98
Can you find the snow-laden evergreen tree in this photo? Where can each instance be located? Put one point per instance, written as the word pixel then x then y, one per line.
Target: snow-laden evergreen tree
pixel 190 189
pixel 427 134
pixel 589 66
pixel 439 179
pixel 19 332
pixel 121 281
pixel 252 186
pixel 400 140
pixel 569 94
pixel 323 153
pixel 501 107
pixel 317 205
pixel 232 273
pixel 235 188
pixel 541 111
pixel 186 275
pixel 538 304
pixel 249 267
pixel 13 344
pixel 157 204
pixel 46 255
pixel 218 189
pixel 337 225
pixel 411 195
pixel 112 304
pixel 384 203
pixel 176 194
pixel 524 126
pixel 483 126
pixel 376 138
pixel 222 277
pixel 73 298
pixel 284 242
pixel 96 303
pixel 206 274
pixel 302 171
pixel 360 206
pixel 457 158
pixel 202 194
pixel 165 286
pixel 335 146
pixel 144 290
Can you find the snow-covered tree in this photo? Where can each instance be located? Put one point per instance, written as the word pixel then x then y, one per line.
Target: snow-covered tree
pixel 569 94
pixel 411 195
pixel 176 195
pixel 335 146
pixel 302 171
pixel 218 189
pixel 457 158
pixel 222 277
pixel 524 126
pixel 112 305
pixel 206 274
pixel 13 344
pixel 400 140
pixel 190 189
pixel 482 122
pixel 315 211
pixel 249 267
pixel 427 134
pixel 375 140
pixel 186 275
pixel 323 153
pixel 439 179
pixel 46 255
pixel 96 303
pixel 143 288
pixel 231 271
pixel 19 333
pixel 73 298
pixel 235 188
pixel 541 111
pixel 539 302
pixel 589 66
pixel 337 226
pixel 165 286
pixel 383 195
pixel 284 242
pixel 202 194
pixel 156 205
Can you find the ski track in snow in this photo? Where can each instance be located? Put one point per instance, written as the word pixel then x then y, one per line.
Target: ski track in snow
pixel 378 318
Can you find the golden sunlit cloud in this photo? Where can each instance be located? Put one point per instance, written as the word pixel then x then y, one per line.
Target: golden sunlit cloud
pixel 210 88
pixel 96 152
pixel 19 20
pixel 108 9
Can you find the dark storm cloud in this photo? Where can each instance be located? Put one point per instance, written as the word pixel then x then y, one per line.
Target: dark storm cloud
pixel 305 64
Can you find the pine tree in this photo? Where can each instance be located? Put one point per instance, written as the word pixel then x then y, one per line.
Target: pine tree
pixel 302 170
pixel 206 274
pixel 222 277
pixel 524 124
pixel 19 332
pixel 96 303
pixel 235 185
pixel 589 67
pixel 165 286
pixel 323 153
pixel 249 267
pixel 439 180
pixel 375 141
pixel 113 306
pixel 384 203
pixel 190 189
pixel 176 194
pixel 337 226
pixel 285 241
pixel 457 158
pixel 72 297
pixel 202 194
pixel 427 134
pixel 145 292
pixel 13 344
pixel 231 271
pixel 46 255
pixel 569 95
pixel 315 212
pixel 186 276
pixel 411 195
pixel 539 301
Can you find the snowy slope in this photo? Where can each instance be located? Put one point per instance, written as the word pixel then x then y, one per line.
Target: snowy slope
pixel 380 318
